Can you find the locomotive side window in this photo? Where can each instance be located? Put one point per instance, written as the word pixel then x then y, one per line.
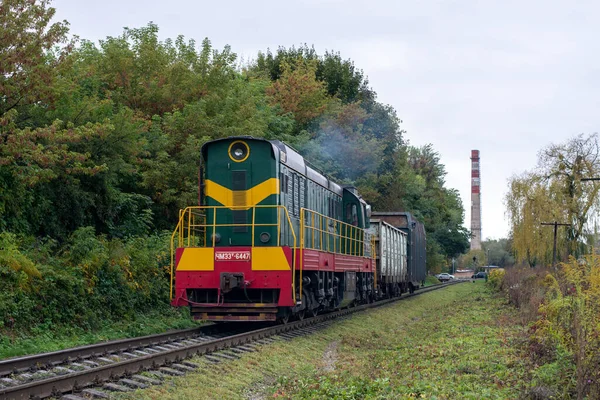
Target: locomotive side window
pixel 290 192
pixel 296 195
pixel 354 215
pixel 301 185
pixel 282 183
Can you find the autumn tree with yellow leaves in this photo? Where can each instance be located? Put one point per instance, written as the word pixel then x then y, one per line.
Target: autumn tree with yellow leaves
pixel 558 190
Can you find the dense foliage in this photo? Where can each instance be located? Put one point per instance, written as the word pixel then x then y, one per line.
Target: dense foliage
pixel 100 148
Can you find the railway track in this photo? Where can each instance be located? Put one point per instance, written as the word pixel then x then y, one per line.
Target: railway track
pixel 97 366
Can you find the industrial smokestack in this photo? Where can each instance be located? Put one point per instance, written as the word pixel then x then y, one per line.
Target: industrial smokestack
pixel 475 201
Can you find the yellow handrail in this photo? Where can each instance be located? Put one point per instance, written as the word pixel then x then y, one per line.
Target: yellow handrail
pixel 187 224
pixel 301 249
pixel 373 256
pixel 314 223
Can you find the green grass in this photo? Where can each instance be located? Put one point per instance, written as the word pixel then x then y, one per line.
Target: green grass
pixel 460 342
pixel 45 338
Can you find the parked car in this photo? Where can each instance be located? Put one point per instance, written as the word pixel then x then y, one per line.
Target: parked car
pixel 479 275
pixel 444 277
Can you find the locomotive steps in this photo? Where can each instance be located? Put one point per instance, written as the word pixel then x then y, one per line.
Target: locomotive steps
pixel 61 375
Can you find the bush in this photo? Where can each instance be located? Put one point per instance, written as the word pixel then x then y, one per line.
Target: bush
pixel 87 283
pixel 495 279
pixel 570 320
pixel 563 312
pixel 524 289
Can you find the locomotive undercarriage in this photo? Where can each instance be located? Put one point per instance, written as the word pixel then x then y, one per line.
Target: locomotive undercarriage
pixel 324 291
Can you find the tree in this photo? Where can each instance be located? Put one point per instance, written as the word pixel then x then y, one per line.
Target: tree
pixel 299 92
pixel 499 252
pixel 554 191
pixel 474 259
pixel 27 66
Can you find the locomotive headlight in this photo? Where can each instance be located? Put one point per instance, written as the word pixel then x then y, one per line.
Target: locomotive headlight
pixel 265 237
pixel 239 151
pixel 216 237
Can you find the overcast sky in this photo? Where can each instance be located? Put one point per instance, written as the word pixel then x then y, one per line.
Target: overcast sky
pixel 504 77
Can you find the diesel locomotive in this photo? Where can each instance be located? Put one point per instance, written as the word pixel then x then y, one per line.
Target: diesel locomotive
pixel 275 238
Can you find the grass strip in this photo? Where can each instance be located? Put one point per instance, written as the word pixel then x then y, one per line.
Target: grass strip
pixel 461 342
pixel 44 339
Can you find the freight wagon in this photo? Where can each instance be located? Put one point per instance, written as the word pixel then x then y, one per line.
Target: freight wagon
pixel 390 258
pixel 416 244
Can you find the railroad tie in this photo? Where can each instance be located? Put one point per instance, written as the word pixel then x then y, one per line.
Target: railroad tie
pixel 247 347
pixel 95 394
pixel 238 350
pixel 224 355
pixel 212 359
pixel 132 384
pixel 145 379
pixel 25 377
pixel 190 364
pixel 8 381
pixel 113 387
pixel 81 367
pixel 182 368
pixel 150 350
pixel 231 354
pixel 62 370
pixel 170 371
pixel 90 363
pixel 71 397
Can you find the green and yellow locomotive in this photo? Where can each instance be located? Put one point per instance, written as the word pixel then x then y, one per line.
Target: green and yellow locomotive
pixel 273 238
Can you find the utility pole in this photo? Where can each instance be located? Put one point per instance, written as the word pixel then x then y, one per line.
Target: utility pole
pixel 556 225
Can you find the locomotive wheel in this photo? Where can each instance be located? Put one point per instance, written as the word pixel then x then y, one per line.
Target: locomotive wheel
pixel 313 312
pixel 285 319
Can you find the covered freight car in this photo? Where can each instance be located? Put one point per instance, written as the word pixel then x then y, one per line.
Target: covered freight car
pixel 416 244
pixel 391 258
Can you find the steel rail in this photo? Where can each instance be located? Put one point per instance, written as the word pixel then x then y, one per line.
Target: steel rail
pixel 20 364
pixel 61 384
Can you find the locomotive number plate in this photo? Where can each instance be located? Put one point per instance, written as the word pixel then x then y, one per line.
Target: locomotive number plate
pixel 232 256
